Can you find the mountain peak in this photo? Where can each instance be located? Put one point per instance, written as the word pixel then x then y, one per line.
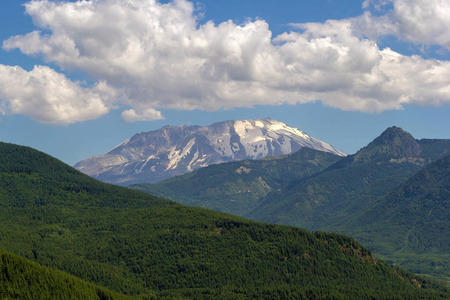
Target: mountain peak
pixel 393 133
pixel 175 150
pixel 395 143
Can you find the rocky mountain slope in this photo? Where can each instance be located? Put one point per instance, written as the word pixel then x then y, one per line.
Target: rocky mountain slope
pixel 174 150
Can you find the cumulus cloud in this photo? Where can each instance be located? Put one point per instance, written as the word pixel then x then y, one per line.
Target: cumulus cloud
pixel 49 97
pixel 158 56
pixel 149 114
pixel 421 22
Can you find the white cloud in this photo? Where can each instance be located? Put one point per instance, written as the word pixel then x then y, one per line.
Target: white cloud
pixel 377 5
pixel 49 97
pixel 157 56
pixel 421 22
pixel 424 21
pixel 149 114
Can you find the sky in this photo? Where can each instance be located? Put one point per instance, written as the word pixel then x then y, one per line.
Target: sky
pixel 78 78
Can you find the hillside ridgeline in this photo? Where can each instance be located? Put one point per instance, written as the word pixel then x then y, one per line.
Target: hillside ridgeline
pixel 139 245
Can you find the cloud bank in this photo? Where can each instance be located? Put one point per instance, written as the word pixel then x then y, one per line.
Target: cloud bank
pixel 147 56
pixel 49 97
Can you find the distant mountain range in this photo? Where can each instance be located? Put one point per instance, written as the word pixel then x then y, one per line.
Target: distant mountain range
pixel 149 248
pixel 349 194
pixel 149 157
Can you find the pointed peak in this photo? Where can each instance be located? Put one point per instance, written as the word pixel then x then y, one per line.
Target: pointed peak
pixel 394 134
pixel 394 142
pixel 394 131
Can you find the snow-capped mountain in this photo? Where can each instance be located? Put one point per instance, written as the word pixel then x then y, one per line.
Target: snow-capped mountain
pixel 175 150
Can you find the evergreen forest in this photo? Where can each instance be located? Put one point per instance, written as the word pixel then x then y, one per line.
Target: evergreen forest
pixel 123 243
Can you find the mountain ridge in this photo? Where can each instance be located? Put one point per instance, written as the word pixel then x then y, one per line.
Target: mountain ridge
pixel 375 169
pixel 175 150
pixel 412 218
pixel 139 245
pixel 23 279
pixel 336 193
pixel 240 185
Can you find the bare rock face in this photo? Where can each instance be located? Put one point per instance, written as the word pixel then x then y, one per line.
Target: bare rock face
pixel 174 150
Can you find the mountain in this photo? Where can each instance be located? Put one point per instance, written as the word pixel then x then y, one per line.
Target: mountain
pixel 315 201
pixel 413 218
pixel 239 187
pixel 149 157
pixel 351 185
pixel 24 279
pixel 139 245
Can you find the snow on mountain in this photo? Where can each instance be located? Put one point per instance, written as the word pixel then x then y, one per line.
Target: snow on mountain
pixel 175 150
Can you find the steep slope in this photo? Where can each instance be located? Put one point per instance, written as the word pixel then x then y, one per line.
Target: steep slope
pixel 150 157
pixel 351 185
pixel 23 279
pixel 411 224
pixel 136 244
pixel 238 187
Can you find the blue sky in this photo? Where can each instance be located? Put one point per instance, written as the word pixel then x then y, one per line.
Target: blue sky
pixel 78 78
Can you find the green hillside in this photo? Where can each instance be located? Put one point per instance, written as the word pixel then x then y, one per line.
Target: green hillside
pixel 353 184
pixel 411 224
pixel 23 279
pixel 239 187
pixel 323 200
pixel 139 245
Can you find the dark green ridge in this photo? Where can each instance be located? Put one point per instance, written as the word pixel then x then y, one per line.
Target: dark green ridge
pixel 24 279
pixel 33 178
pixel 413 219
pixel 352 185
pixel 140 245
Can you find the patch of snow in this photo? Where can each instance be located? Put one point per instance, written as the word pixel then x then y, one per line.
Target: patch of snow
pixel 193 160
pixel 175 156
pixel 146 162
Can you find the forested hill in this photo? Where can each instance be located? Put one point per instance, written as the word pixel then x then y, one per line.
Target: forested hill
pixel 139 245
pixel 353 184
pixel 23 279
pixel 239 187
pixel 33 178
pixel 413 218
